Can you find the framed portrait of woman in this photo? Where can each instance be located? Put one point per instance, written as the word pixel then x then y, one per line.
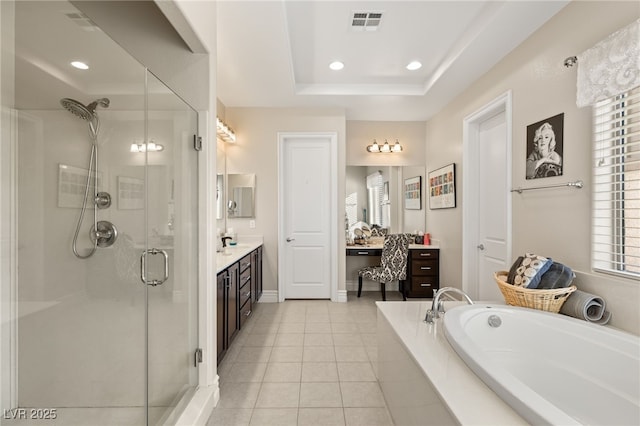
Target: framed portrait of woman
pixel 544 148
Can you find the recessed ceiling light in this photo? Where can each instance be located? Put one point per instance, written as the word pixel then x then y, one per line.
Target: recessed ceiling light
pixel 336 66
pixel 414 65
pixel 79 65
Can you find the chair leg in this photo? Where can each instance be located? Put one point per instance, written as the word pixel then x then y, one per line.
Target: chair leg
pixel 383 290
pixel 403 289
pixel 359 286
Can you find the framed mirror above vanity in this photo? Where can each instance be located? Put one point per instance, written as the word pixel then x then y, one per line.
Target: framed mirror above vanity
pixel 221 193
pixel 375 196
pixel 235 192
pixel 240 195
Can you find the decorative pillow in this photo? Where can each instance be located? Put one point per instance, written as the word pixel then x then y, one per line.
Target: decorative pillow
pixel 530 271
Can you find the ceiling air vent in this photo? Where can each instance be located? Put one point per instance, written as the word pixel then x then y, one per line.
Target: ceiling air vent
pixel 366 21
pixel 82 21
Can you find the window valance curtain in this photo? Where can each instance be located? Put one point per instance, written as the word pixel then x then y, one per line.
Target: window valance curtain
pixel 611 67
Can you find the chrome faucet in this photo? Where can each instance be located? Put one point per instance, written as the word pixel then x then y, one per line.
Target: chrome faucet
pixel 437 307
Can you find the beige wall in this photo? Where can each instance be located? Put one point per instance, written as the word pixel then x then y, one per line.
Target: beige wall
pixel 256 151
pixel 554 223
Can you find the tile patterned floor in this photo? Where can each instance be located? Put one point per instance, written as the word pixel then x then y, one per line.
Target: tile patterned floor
pixel 304 362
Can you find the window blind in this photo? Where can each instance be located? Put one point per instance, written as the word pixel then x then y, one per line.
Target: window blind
pixel 375 194
pixel 616 185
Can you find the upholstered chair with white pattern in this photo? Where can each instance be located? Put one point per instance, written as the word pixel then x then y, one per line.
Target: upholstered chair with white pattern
pixel 393 264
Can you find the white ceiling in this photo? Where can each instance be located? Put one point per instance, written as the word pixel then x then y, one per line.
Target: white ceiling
pixel 276 53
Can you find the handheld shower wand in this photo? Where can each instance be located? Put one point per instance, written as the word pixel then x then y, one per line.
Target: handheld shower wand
pixel 103 233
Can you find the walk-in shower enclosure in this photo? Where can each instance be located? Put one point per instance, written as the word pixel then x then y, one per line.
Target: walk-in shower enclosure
pixel 104 340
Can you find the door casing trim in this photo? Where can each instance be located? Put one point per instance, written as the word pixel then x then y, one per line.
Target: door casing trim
pixel 333 208
pixel 470 201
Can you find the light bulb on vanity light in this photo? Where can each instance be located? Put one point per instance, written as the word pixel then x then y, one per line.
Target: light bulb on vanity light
pixel 397 147
pixel 374 147
pixel 150 146
pixel 386 147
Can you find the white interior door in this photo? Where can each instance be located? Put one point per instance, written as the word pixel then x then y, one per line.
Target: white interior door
pixel 492 214
pixel 306 208
pixel 487 198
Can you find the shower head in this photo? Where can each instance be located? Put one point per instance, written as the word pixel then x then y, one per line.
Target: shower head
pixel 103 102
pixel 84 112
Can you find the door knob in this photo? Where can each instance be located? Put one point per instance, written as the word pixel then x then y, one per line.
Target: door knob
pixel 481 246
pixel 289 239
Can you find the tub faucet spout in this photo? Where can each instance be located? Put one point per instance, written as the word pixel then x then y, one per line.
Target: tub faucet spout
pixel 437 307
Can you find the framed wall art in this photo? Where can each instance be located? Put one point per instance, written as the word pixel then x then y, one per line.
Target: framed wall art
pixel 72 183
pixel 545 147
pixel 413 193
pixel 442 187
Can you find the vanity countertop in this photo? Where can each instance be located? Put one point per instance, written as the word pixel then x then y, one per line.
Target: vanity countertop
pixel 379 246
pixel 231 254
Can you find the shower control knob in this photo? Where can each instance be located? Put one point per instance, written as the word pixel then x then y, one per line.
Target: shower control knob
pixel 102 200
pixel 105 234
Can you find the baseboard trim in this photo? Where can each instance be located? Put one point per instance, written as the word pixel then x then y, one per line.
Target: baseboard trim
pixel 200 406
pixel 269 296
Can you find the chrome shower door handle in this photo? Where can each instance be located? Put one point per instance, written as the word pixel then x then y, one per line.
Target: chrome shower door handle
pixel 143 266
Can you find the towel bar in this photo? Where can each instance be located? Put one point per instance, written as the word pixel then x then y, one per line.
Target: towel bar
pixel 577 184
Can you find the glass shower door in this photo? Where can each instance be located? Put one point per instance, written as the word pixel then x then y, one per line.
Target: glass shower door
pixel 172 250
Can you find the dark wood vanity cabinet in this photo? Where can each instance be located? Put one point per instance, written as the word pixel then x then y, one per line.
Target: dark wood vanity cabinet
pixel 244 302
pixel 423 268
pixel 220 313
pixel 227 308
pixel 239 287
pixel 256 275
pixel 423 272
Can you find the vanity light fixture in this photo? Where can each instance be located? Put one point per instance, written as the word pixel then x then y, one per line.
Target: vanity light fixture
pixel 151 146
pixel 224 132
pixel 386 148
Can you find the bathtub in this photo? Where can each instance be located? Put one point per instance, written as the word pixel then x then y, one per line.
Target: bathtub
pixel 424 381
pixel 550 368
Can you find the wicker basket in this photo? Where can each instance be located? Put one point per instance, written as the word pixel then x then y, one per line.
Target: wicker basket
pixel 544 300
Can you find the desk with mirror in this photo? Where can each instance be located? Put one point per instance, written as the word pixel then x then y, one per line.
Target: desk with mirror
pixel 374 197
pixel 423 266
